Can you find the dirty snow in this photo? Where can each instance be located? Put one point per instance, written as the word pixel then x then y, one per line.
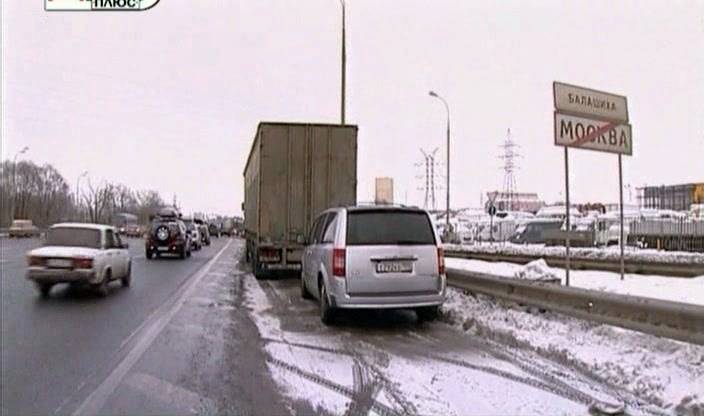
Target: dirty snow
pixel 611 253
pixel 537 270
pixel 414 384
pixel 667 373
pixel 687 290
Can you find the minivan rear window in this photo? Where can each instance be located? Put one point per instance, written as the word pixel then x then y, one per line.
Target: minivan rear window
pixel 389 227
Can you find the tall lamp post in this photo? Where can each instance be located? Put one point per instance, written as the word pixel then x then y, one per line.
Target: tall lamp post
pixel 78 200
pixel 343 68
pixel 447 206
pixel 14 179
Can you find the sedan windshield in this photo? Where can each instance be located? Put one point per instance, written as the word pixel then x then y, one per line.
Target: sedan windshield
pixel 73 237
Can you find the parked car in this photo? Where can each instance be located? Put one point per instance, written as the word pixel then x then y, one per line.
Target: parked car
pixel 534 231
pixel 167 235
pixel 374 257
pixel 22 228
pixel 80 254
pixel 193 233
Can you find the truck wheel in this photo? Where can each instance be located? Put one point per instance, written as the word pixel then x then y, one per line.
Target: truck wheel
pixel 258 273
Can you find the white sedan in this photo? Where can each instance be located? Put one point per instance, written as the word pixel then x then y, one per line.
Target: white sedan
pixel 77 253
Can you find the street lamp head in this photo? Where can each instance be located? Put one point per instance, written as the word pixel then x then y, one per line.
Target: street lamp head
pixel 432 94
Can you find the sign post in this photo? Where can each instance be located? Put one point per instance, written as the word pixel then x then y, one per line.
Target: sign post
pixel 567 210
pixel 492 212
pixel 594 120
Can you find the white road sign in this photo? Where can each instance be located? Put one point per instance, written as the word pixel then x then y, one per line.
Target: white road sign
pixel 586 102
pixel 585 133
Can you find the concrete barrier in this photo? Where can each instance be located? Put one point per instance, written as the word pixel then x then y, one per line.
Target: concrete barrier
pixel 582 263
pixel 680 321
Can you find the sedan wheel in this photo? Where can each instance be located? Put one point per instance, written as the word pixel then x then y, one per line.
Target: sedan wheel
pixel 102 287
pixel 44 289
pixel 127 279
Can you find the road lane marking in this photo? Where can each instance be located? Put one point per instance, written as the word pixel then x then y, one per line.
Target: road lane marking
pixel 169 394
pixel 94 403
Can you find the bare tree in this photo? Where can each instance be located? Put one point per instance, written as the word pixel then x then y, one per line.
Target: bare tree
pixel 99 199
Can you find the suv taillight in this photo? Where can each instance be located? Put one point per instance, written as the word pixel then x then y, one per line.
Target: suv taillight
pixel 339 259
pixel 441 261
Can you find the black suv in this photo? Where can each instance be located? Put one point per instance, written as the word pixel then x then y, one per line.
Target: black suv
pixel 167 235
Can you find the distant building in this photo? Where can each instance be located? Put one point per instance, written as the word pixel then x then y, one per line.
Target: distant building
pixel 516 201
pixel 384 192
pixel 673 197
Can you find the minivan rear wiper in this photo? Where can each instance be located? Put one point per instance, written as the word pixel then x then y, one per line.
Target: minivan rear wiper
pixel 411 243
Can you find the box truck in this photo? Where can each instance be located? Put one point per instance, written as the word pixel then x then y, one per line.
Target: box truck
pixel 294 171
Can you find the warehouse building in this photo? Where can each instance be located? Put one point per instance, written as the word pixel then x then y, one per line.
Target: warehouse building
pixel 674 197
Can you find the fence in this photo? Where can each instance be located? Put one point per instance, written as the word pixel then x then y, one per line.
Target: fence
pixel 670 234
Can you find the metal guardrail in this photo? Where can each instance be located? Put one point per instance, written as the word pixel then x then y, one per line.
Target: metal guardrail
pixel 577 263
pixel 680 321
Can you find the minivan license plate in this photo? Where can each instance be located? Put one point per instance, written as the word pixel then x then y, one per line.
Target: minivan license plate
pixel 394 267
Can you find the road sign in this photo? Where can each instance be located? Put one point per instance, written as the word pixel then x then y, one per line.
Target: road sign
pixel 585 133
pixel 586 102
pixel 492 210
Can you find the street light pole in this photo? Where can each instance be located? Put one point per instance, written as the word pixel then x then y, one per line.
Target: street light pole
pixel 343 67
pixel 447 109
pixel 14 179
pixel 78 200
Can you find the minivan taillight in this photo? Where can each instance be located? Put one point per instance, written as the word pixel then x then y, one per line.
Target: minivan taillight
pixel 339 258
pixel 441 261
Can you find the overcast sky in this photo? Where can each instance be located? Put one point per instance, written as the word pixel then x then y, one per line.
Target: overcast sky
pixel 169 99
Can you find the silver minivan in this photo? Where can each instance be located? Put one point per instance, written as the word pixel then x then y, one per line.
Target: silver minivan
pixel 374 257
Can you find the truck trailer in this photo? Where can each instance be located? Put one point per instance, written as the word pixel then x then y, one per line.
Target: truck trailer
pixel 294 171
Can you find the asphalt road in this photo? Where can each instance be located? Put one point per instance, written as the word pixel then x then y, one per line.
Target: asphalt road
pixel 51 347
pixel 203 336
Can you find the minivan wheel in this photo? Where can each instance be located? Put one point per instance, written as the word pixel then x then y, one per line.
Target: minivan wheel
pixel 149 254
pixel 182 254
pixel 327 312
pixel 427 313
pixel 304 291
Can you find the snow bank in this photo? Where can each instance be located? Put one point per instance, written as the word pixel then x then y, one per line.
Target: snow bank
pixel 537 270
pixel 661 372
pixel 606 253
pixel 687 290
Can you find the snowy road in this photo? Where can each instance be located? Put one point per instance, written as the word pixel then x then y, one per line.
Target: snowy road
pixel 388 363
pixel 222 342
